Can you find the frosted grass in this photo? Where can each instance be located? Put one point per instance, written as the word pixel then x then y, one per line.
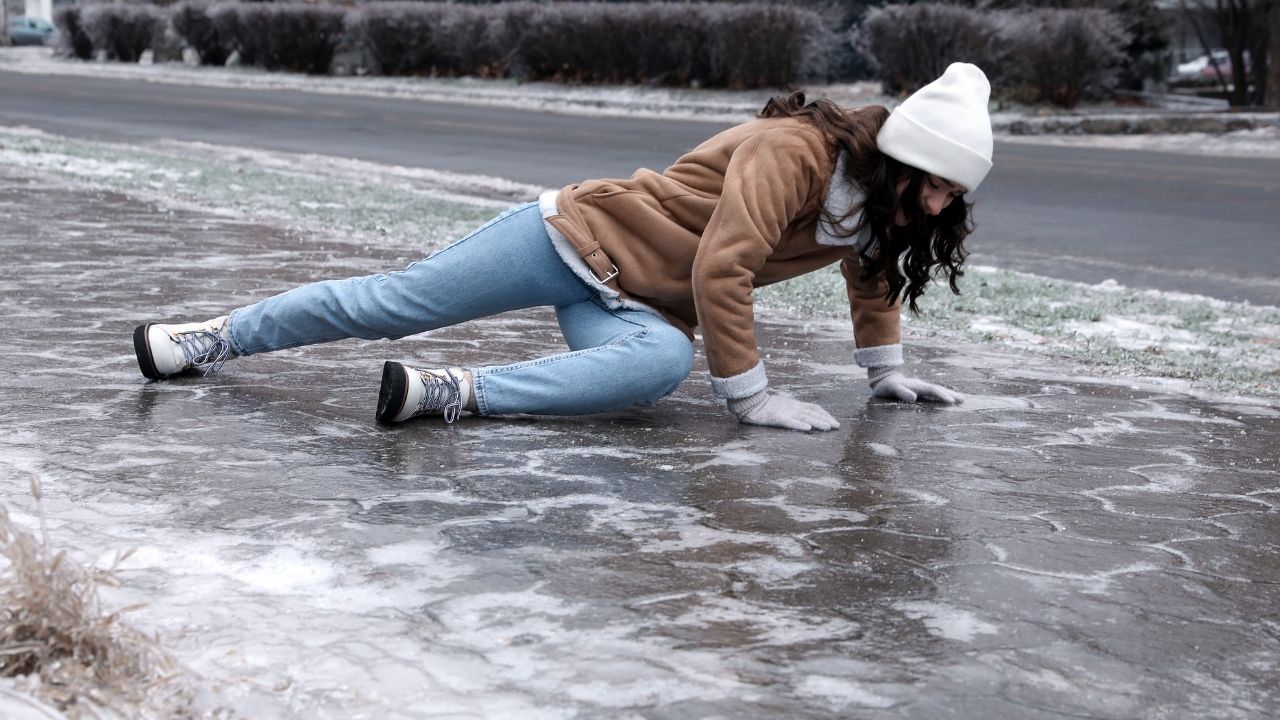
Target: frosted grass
pixel 318 197
pixel 58 643
pixel 1220 346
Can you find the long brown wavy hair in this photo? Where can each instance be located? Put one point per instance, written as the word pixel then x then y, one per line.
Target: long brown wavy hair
pixel 907 256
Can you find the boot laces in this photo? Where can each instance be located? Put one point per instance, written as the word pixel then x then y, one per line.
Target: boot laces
pixel 442 394
pixel 203 350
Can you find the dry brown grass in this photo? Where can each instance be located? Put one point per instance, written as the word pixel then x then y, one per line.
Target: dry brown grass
pixel 73 654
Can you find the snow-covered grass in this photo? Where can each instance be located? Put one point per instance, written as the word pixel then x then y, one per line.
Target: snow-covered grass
pixel 1221 346
pixel 344 199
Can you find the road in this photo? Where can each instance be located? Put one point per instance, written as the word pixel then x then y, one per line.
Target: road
pixel 1174 222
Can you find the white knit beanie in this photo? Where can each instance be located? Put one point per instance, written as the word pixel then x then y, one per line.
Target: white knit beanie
pixel 944 127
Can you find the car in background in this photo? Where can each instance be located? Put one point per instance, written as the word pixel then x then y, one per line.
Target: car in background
pixel 30 31
pixel 1200 70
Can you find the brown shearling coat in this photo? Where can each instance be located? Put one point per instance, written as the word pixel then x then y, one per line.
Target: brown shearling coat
pixel 740 211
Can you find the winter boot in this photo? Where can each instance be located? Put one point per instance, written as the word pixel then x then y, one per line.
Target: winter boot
pixel 167 350
pixel 407 393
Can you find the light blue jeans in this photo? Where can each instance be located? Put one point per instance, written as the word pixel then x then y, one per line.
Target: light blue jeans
pixel 617 357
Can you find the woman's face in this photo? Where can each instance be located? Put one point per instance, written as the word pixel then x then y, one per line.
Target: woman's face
pixel 935 195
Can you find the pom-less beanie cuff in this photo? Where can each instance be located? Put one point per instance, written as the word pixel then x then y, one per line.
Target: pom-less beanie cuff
pixel 916 145
pixel 944 128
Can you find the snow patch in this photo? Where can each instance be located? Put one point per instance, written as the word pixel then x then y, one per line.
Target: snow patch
pixel 883 450
pixel 841 693
pixel 1139 333
pixel 730 456
pixel 945 621
pixel 770 571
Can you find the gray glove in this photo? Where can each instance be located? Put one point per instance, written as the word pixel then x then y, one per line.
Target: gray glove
pixel 889 384
pixel 782 411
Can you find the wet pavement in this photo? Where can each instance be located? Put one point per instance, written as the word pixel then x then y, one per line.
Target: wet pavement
pixel 1058 546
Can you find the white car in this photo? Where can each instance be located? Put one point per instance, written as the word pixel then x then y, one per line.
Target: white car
pixel 1200 69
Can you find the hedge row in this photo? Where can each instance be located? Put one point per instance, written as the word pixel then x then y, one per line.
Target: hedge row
pixel 118 32
pixel 1034 55
pixel 1055 55
pixel 715 44
pixel 711 44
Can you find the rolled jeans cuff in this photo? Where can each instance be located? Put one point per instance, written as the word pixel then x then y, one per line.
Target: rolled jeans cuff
pixel 740 386
pixel 879 356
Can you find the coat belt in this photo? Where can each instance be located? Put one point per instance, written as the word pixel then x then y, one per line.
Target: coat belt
pixel 602 268
pixel 567 220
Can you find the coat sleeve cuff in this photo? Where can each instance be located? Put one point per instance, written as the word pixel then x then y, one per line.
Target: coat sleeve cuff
pixel 879 356
pixel 740 386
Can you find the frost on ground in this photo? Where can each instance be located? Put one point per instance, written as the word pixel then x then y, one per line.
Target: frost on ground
pixel 345 199
pixel 1261 142
pixel 1220 346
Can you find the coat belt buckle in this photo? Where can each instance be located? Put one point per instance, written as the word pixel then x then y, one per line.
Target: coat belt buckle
pixel 605 280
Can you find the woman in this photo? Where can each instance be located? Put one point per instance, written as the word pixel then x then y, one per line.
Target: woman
pixel 632 266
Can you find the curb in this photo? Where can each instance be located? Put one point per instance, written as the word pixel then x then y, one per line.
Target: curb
pixel 1169 124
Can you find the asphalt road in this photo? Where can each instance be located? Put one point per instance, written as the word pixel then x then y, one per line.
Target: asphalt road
pixel 1175 222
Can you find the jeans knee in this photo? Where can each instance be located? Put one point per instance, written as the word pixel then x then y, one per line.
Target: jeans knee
pixel 681 359
pixel 668 361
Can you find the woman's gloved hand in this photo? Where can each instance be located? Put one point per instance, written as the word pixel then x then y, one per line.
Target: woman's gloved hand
pixel 772 410
pixel 889 384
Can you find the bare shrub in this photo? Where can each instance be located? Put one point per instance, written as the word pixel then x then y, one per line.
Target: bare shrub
pixel 714 44
pixel 72 40
pixel 225 18
pixel 193 23
pixel 413 38
pixel 910 45
pixel 766 45
pixel 1148 27
pixel 578 43
pixel 123 32
pixel 1068 55
pixel 75 655
pixel 1052 55
pixel 664 45
pixel 286 36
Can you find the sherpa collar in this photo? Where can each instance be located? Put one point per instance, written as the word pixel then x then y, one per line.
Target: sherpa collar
pixel 842 196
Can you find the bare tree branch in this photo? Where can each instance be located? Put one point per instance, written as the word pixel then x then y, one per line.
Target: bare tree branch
pixel 1271 97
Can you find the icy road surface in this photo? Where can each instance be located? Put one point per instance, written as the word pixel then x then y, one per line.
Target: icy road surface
pixel 1057 546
